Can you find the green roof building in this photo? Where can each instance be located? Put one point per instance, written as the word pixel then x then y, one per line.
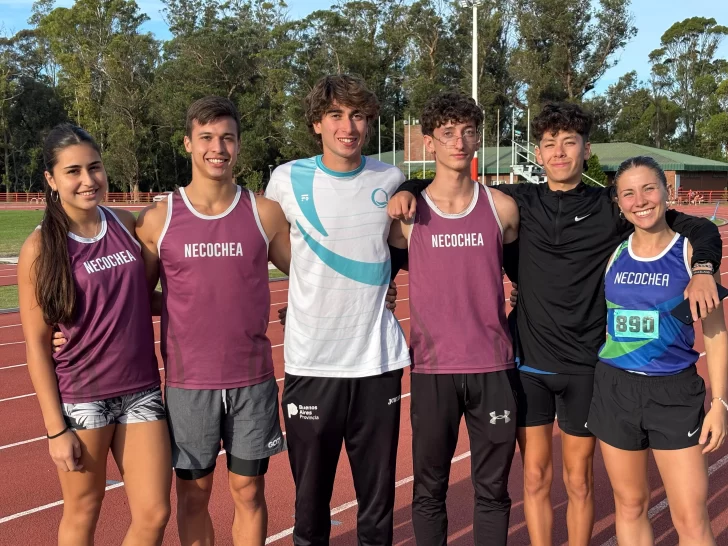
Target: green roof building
pixel 684 172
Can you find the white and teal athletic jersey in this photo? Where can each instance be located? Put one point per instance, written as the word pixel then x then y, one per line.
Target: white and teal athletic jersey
pixel 337 323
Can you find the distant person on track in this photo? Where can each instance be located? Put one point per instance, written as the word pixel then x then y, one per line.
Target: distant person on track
pixel 344 350
pixel 83 270
pixel 455 270
pixel 647 391
pixel 567 232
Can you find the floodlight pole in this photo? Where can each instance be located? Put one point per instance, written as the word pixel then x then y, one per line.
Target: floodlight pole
pixel 409 148
pixel 474 164
pixel 483 170
pixel 379 130
pixel 497 149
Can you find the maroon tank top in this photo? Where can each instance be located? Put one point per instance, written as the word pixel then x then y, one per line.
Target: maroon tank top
pixel 216 301
pixel 110 349
pixel 457 303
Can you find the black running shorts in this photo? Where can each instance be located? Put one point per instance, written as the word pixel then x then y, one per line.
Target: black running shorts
pixel 543 398
pixel 633 411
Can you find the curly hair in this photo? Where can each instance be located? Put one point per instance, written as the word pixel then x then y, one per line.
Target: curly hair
pixel 561 116
pixel 450 106
pixel 343 89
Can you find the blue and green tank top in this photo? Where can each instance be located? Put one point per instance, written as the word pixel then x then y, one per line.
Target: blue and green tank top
pixel 642 335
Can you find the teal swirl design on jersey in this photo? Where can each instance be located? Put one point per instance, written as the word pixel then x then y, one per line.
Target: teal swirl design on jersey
pixel 302 173
pixel 302 176
pixel 374 273
pixel 380 198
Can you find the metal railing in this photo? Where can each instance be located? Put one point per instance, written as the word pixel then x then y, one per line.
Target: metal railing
pixel 111 197
pixel 521 153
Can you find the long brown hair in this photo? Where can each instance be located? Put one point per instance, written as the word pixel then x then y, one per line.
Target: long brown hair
pixel 54 288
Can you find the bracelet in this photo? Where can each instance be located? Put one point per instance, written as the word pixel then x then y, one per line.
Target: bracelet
pixel 725 404
pixel 702 272
pixel 703 267
pixel 59 434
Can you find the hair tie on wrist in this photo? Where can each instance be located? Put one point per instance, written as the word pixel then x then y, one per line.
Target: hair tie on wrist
pixel 59 434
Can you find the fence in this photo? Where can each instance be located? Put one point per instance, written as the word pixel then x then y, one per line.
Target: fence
pixel 699 197
pixel 684 197
pixel 112 197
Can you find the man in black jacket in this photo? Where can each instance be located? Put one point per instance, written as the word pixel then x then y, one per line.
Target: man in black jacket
pixel 568 230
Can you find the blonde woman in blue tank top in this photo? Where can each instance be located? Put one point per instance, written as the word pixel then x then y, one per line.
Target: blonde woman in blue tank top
pixel 647 392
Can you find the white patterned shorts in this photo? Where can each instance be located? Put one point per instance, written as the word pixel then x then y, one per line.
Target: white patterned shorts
pixel 138 407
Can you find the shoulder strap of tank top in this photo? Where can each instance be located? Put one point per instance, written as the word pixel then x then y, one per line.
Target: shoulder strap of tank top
pixel 112 214
pixel 167 221
pixel 686 260
pixel 254 207
pixel 492 204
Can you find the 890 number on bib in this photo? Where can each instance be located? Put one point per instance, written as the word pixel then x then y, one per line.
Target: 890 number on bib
pixel 637 324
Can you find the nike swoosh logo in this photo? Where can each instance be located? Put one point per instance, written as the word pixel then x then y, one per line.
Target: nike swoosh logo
pixel 579 219
pixel 691 434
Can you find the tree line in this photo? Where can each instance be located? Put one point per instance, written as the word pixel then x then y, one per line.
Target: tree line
pixel 91 64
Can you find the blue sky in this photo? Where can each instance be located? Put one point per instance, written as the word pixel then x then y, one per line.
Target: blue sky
pixel 652 18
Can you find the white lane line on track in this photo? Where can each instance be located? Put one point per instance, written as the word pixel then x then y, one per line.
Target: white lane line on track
pixel 269 539
pixel 663 504
pixel 352 504
pixel 17 397
pixel 157 321
pixel 25 364
pixel 14 366
pixel 39 438
pixel 47 506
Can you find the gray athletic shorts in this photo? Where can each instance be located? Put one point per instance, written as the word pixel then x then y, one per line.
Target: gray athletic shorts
pixel 138 407
pixel 245 420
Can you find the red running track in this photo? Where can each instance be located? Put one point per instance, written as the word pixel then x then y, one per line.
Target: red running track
pixel 8 274
pixel 30 507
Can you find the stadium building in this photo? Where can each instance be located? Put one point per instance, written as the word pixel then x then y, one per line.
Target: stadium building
pixel 516 163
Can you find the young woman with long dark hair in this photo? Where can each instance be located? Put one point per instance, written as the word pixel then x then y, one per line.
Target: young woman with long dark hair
pixel 82 270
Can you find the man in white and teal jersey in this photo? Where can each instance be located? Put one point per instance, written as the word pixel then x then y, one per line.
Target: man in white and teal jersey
pixel 344 350
pixel 645 339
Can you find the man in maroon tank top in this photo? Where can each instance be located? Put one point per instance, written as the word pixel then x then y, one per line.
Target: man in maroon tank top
pixel 211 242
pixel 455 258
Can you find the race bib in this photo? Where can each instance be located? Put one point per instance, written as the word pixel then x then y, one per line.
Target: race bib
pixel 636 324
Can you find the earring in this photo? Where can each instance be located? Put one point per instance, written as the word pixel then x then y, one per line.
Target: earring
pixel 55 199
pixel 621 214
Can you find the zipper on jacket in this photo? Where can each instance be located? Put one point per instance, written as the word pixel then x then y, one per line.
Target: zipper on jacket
pixel 557 233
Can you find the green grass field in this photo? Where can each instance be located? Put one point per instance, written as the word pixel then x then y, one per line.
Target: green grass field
pixel 8 297
pixel 15 226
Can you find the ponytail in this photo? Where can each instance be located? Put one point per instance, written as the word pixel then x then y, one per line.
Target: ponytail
pixel 55 289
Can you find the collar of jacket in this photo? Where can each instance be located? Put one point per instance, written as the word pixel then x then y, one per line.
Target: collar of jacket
pixel 579 189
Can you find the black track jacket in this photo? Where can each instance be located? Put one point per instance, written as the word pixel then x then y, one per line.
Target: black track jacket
pixel 565 241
